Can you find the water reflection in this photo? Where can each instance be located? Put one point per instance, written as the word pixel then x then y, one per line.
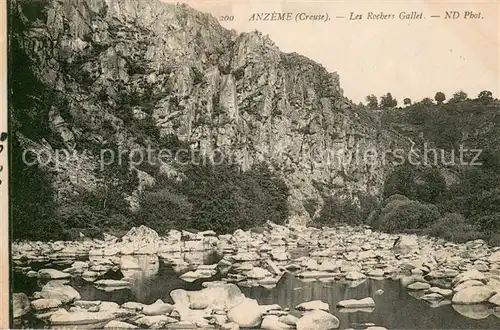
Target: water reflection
pixel 395 308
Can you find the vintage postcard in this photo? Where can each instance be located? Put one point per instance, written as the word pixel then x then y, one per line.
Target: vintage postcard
pixel 285 164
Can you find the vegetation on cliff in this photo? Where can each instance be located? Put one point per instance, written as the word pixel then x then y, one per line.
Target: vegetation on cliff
pixel 86 77
pixel 456 201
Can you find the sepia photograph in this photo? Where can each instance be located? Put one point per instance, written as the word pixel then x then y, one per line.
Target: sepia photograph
pixel 285 164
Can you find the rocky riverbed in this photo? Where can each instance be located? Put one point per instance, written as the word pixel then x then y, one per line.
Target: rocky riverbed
pixel 219 292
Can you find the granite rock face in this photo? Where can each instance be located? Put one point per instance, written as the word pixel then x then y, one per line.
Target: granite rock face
pixel 176 68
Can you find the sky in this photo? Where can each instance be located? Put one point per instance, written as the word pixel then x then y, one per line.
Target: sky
pixel 409 58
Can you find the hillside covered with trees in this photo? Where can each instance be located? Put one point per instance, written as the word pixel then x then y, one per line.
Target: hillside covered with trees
pixel 445 197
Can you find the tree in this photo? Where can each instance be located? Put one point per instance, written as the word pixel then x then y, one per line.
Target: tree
pixel 459 96
pixel 485 96
pixel 426 102
pixel 32 200
pixel 116 180
pixel 440 97
pixel 372 102
pixel 407 101
pixel 387 101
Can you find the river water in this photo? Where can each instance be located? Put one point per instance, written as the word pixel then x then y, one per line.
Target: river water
pixel 396 308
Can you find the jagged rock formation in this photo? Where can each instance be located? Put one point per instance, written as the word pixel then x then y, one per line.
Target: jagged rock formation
pixel 105 72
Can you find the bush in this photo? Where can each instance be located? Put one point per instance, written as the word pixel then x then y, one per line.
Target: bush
pixel 163 210
pixel 454 227
pixel 215 197
pixel 32 201
pixel 400 215
pixel 336 210
pixel 423 184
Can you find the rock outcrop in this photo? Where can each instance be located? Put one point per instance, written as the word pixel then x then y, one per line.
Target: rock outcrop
pixel 113 71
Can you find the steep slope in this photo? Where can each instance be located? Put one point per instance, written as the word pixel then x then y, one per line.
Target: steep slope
pixel 92 74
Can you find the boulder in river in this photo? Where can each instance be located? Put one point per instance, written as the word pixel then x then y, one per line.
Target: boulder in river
pixel 157 308
pixel 258 273
pixel 441 291
pixel 467 284
pixel 317 320
pixel 216 296
pixel 473 295
pixel 53 274
pixel 472 274
pixel 355 276
pixel 59 291
pixel 247 314
pixel 313 305
pixel 432 297
pixel 272 322
pixel 81 318
pixel 135 306
pixel 442 273
pixel 475 312
pixel 20 305
pixel 419 286
pixel 289 319
pixel 495 300
pixel 357 303
pixel 155 322
pixel 192 276
pixel 112 283
pixel 230 326
pixel 45 304
pixel 139 240
pixel 119 325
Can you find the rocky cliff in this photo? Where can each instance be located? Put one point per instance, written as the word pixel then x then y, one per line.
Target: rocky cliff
pixel 87 74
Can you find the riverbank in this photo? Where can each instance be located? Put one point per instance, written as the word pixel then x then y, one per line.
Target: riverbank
pixel 436 272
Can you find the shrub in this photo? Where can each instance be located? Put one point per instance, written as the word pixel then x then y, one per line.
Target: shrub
pixel 32 201
pixel 406 215
pixel 162 210
pixel 337 210
pixel 215 197
pixel 423 184
pixel 454 227
pixel 494 239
